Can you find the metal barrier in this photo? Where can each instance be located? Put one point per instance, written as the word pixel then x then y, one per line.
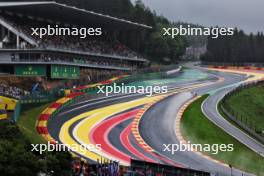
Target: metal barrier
pixel 238 118
pixel 33 100
pixel 17 111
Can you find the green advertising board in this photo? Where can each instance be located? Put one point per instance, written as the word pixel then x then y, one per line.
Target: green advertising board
pixel 65 72
pixel 30 70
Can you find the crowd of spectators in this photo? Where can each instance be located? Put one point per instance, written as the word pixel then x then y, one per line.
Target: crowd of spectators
pixel 18 87
pixel 98 45
pixel 11 91
pixel 95 61
pixel 81 168
pixel 104 45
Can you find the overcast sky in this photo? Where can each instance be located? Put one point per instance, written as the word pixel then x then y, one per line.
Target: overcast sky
pixel 245 14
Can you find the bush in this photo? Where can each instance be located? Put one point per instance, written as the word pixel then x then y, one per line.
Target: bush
pixel 16 157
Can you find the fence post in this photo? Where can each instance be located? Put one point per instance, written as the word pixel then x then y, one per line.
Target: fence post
pixel 17 111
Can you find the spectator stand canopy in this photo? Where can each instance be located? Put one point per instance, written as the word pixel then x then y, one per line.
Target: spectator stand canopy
pixel 18 47
pixel 68 14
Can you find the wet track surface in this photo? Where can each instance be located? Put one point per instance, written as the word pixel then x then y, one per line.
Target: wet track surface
pixel 157 126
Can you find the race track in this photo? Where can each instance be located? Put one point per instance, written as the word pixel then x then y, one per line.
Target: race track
pixel 108 121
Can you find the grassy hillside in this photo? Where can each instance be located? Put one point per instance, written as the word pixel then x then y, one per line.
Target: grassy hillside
pixel 27 124
pixel 249 103
pixel 199 130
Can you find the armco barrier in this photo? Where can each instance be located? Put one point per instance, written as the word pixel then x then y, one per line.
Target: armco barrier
pixel 246 127
pixel 17 111
pixel 243 122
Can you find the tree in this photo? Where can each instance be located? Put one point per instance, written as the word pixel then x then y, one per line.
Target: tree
pixel 236 49
pixel 16 157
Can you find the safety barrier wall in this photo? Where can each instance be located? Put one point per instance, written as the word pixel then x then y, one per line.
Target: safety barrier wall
pixel 31 101
pixel 42 97
pixel 17 112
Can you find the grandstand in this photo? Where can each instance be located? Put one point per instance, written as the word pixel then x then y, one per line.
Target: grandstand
pixel 24 54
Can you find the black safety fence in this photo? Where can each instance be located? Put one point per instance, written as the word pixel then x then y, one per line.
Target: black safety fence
pixel 34 100
pixel 239 118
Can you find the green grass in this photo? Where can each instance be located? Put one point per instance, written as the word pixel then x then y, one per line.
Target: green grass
pixel 249 103
pixel 196 128
pixel 27 124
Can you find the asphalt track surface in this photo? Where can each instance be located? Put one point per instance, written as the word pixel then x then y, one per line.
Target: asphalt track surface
pixel 108 121
pixel 165 129
pixel 210 110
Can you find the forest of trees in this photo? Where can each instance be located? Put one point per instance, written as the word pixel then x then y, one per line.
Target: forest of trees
pixel 193 40
pixel 16 157
pixel 237 49
pixel 154 45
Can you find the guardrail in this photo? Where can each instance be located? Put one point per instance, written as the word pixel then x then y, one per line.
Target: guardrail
pixel 239 119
